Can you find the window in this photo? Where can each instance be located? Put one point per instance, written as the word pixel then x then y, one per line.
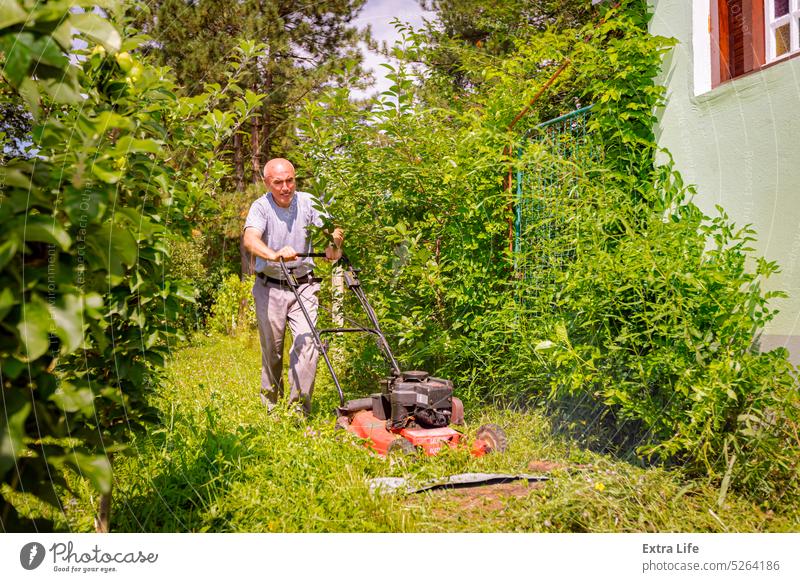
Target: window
pixel 737 38
pixel 783 32
pixel 747 34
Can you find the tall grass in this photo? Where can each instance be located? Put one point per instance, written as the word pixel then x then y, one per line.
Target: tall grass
pixel 219 462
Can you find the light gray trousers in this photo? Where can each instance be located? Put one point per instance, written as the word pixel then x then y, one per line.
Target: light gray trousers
pixel 275 306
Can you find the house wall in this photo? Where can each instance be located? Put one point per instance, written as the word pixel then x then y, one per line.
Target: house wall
pixel 739 143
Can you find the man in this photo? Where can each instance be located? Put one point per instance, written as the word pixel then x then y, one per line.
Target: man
pixel 277 227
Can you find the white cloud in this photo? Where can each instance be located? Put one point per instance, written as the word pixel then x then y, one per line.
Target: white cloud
pixel 378 14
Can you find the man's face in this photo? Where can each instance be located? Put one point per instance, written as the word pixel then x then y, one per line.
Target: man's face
pixel 280 181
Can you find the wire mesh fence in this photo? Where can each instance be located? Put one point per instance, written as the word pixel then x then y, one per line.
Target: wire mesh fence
pixel 552 157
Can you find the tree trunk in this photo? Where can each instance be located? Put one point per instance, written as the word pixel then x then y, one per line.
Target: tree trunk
pixel 238 161
pixel 102 523
pixel 267 129
pixel 255 142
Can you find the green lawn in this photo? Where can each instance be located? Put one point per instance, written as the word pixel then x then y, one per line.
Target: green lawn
pixel 220 463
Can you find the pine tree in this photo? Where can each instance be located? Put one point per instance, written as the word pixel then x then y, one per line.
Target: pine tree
pixel 469 33
pixel 308 45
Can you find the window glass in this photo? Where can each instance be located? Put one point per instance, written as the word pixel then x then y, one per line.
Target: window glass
pixel 782 40
pixel 781 8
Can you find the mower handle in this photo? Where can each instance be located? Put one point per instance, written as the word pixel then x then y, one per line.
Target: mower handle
pixel 351 280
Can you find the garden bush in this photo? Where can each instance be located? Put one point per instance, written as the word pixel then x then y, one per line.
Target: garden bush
pixel 233 311
pixel 88 306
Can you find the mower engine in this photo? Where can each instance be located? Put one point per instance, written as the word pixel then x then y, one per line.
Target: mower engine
pixel 414 399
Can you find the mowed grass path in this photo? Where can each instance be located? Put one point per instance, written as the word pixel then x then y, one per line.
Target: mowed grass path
pixel 220 463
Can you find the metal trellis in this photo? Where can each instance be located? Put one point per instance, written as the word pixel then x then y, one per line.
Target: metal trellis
pixel 545 232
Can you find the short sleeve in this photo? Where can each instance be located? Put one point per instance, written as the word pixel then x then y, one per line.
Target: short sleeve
pixel 256 217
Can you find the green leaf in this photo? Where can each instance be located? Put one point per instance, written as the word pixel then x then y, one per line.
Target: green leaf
pixel 62 91
pixel 107 5
pixel 18 177
pixel 30 93
pixel 106 175
pixel 95 468
pixel 130 43
pixel 92 302
pixel 115 247
pixel 12 368
pixel 43 229
pixel 11 13
pixel 12 429
pixel 84 206
pixel 67 315
pixel 105 121
pixel 123 244
pixel 7 251
pixel 98 29
pixel 47 52
pixel 63 35
pixel 70 398
pixel 7 301
pixel 543 346
pixel 127 145
pixel 18 58
pixel 34 329
pixel 186 292
pixel 726 482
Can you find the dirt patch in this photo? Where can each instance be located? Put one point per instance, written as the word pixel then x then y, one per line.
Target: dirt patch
pixel 483 499
pixel 544 466
pixel 541 466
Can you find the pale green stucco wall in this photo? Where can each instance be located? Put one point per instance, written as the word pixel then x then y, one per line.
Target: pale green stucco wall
pixel 740 145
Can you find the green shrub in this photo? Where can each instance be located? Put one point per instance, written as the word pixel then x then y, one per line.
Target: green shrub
pixel 661 330
pixel 88 304
pixel 233 311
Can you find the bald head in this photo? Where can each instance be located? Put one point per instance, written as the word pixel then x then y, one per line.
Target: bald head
pixel 279 180
pixel 277 165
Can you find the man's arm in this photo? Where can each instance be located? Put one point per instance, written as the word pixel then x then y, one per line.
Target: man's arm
pixel 257 247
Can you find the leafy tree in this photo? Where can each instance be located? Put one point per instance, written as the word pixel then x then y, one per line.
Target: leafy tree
pixel 88 307
pixel 307 45
pixel 468 36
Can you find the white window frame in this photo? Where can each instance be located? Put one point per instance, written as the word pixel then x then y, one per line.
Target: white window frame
pixel 771 24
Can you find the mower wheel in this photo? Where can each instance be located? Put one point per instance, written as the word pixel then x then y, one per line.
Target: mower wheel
pixel 342 423
pixel 402 447
pixel 494 436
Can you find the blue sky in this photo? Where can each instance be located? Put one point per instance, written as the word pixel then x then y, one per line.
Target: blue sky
pixel 379 14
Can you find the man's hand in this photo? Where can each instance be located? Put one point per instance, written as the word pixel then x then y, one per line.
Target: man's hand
pixel 287 253
pixel 333 253
pixel 338 237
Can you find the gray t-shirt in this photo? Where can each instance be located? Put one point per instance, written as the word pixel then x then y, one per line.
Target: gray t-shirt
pixel 280 227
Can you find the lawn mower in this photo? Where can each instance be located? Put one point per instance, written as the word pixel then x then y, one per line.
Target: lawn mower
pixel 413 410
